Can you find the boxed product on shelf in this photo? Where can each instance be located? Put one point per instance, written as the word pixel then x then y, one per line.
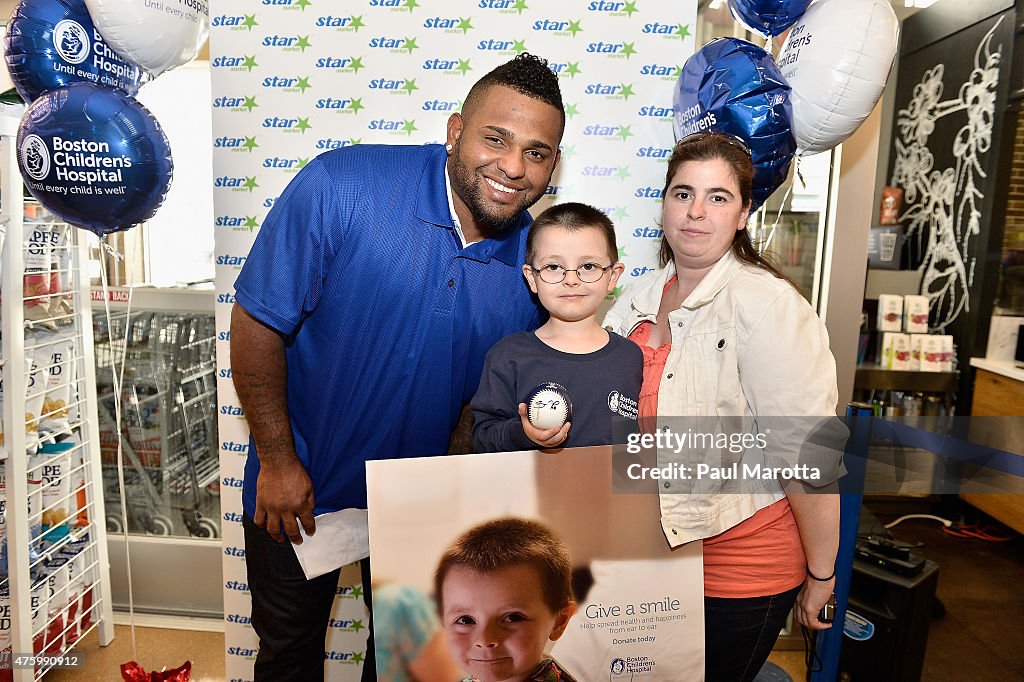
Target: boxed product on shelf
pixel 896 351
pixel 947 352
pixel 915 314
pixel 890 313
pixel 917 342
pixel 931 353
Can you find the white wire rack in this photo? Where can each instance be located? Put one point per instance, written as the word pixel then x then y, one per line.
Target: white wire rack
pixel 57 583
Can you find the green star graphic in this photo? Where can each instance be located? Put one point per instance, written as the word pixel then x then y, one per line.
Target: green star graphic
pixel 302 4
pixel 574 27
pixel 250 21
pixel 357 63
pixel 464 24
pixel 410 85
pixel 303 43
pixel 357 592
pixel 357 22
pixel 621 213
pixel 410 45
pixel 356 105
pixel 411 5
pixel 303 125
pixel 571 110
pixel 250 103
pixel 302 162
pixel 250 183
pixel 630 8
pixel 519 46
pixel 628 50
pixel 623 173
pixel 357 657
pixel 684 30
pixel 250 222
pixel 410 127
pixel 520 6
pixel 627 91
pixel 250 62
pixel 463 66
pixel 622 252
pixel 624 132
pixel 250 143
pixel 568 151
pixel 615 292
pixel 357 625
pixel 303 84
pixel 572 68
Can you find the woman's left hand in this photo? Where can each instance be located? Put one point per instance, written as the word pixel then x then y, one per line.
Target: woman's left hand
pixel 810 601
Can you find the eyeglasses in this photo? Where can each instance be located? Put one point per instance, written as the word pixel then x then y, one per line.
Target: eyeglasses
pixel 588 273
pixel 729 138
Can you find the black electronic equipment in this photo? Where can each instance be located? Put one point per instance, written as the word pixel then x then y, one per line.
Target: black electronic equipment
pixel 888 556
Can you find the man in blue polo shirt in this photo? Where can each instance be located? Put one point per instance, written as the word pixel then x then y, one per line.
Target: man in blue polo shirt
pixel 364 310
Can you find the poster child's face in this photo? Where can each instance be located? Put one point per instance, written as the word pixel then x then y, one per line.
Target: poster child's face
pixel 498 623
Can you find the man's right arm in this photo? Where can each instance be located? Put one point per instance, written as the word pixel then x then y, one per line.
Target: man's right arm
pixel 284 491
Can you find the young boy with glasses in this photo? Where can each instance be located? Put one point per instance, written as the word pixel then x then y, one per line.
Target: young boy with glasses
pixel 571 265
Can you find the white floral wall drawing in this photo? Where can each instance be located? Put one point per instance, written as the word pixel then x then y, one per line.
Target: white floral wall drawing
pixel 943 205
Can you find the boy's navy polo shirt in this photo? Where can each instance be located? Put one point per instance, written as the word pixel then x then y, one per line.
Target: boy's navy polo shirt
pixel 387 319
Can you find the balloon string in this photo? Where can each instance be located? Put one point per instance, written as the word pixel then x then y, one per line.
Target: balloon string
pixel 111 251
pixel 778 217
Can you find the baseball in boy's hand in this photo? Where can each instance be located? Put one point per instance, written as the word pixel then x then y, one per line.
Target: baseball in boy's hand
pixel 548 406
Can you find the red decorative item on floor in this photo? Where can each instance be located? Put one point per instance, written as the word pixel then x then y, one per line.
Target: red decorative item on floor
pixel 133 672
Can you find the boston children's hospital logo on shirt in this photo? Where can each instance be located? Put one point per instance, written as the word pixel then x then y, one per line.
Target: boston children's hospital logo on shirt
pixel 622 405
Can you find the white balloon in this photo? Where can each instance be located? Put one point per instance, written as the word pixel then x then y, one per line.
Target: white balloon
pixel 837 58
pixel 156 35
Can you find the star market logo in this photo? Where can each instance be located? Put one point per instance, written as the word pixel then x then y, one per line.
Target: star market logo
pixel 394 127
pixel 450 24
pixel 346 624
pixel 670 31
pixel 660 113
pixel 402 86
pixel 246 223
pixel 668 72
pixel 615 9
pixel 345 657
pixel 287 125
pixel 349 23
pixel 396 5
pixel 287 84
pixel 287 43
pixel 442 105
pixel 406 44
pixel 569 70
pixel 328 143
pixel 562 28
pixel 236 144
pixel 598 171
pixel 621 91
pixel 286 165
pixel 244 22
pixel 243 184
pixel 238 104
pixel 344 105
pixel 504 6
pixel 340 64
pixel 232 63
pixel 450 67
pixel 622 132
pixel 614 50
pixel 292 5
pixel 502 46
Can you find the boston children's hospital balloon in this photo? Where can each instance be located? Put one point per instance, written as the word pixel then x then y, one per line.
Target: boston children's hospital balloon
pixel 95 157
pixel 837 58
pixel 52 43
pixel 158 35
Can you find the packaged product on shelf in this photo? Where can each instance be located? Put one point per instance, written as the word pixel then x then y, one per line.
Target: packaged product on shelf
pixel 915 314
pixel 890 313
pixel 73 566
pixel 35 393
pixel 37 598
pixel 80 578
pixel 916 344
pixel 901 352
pixel 56 606
pixel 59 382
pixel 60 271
pixel 56 495
pixel 5 626
pixel 38 253
pixel 885 352
pixel 931 353
pixel 947 352
pixel 78 482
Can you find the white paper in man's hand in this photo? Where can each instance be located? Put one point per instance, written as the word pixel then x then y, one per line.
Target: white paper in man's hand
pixel 341 537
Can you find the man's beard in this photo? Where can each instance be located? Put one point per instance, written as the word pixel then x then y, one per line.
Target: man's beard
pixel 469 187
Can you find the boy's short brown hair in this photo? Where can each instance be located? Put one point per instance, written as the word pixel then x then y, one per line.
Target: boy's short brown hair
pixel 573 216
pixel 499 544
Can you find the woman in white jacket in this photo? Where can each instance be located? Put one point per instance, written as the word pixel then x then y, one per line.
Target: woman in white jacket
pixel 725 334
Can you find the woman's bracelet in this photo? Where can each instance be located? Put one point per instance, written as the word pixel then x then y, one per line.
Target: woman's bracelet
pixel 820 580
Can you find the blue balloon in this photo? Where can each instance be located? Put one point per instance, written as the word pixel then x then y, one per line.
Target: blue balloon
pixel 734 87
pixel 95 157
pixel 53 43
pixel 768 17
